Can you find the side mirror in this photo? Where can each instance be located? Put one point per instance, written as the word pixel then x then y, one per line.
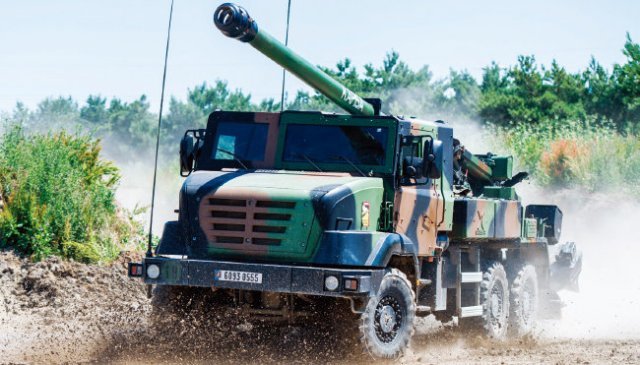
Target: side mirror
pixel 432 159
pixel 187 148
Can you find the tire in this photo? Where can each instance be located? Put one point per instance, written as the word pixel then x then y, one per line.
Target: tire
pixel 525 301
pixel 494 298
pixel 387 324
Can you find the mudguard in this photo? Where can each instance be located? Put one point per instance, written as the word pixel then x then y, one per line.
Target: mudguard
pixel 362 248
pixel 172 242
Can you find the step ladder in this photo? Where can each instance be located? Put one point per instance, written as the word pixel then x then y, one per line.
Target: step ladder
pixel 468 283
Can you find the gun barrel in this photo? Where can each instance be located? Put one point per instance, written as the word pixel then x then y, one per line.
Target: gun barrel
pixel 235 22
pixel 477 168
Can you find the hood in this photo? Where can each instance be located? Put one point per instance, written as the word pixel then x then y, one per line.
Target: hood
pixel 290 180
pixel 276 214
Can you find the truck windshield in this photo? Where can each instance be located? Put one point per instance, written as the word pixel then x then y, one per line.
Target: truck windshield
pixel 335 144
pixel 237 140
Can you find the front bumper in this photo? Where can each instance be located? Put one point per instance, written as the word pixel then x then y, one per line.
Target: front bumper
pixel 275 278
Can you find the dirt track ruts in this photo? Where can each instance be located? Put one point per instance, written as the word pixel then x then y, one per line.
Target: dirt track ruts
pixel 62 312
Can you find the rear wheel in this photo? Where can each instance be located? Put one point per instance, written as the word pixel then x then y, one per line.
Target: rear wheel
pixel 494 298
pixel 387 324
pixel 524 301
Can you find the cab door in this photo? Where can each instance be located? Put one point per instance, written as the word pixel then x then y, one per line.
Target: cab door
pixel 419 203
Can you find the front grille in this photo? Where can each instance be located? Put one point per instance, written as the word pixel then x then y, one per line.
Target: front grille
pixel 233 221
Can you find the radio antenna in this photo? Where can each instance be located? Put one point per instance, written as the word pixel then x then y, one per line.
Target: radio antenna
pixel 286 43
pixel 155 164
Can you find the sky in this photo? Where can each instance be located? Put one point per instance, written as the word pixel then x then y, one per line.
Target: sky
pixel 51 48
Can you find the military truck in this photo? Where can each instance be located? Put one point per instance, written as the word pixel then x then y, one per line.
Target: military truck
pixel 391 215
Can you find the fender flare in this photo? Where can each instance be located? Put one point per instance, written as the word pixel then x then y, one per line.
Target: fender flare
pixel 391 245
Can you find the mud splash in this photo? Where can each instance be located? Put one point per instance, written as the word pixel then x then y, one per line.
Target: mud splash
pixel 63 312
pixel 59 311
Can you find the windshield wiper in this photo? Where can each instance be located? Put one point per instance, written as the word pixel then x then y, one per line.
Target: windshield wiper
pixel 352 165
pixel 310 161
pixel 235 157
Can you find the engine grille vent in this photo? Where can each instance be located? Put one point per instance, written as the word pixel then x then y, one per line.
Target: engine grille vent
pixel 230 222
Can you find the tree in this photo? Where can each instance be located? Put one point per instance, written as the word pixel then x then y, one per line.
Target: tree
pixel 627 80
pixel 95 110
pixel 209 98
pixel 55 114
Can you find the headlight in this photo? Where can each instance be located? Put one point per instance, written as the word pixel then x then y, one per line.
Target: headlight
pixel 153 271
pixel 331 283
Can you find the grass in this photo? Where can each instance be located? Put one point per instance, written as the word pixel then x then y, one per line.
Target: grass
pixel 573 154
pixel 59 198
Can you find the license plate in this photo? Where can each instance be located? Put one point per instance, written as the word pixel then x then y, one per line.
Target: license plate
pixel 239 276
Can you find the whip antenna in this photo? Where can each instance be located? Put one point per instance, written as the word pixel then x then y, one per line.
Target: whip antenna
pixel 155 165
pixel 286 43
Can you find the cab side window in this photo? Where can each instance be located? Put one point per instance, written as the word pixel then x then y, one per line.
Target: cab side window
pixel 411 174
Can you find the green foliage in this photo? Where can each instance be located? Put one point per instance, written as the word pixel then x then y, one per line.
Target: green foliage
pixel 627 80
pixel 572 153
pixel 59 198
pixel 529 93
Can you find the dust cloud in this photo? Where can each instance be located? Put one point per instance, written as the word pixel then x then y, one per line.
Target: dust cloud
pixel 134 191
pixel 603 226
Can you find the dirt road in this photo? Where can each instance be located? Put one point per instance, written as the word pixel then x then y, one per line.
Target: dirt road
pixel 60 312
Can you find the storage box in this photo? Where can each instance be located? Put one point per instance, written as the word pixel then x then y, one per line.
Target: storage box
pixel 550 216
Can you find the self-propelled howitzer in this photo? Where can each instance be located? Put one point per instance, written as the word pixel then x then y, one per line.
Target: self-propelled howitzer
pixel 288 216
pixel 235 22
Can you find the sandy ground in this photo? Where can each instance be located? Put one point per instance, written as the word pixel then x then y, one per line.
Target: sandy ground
pixel 62 312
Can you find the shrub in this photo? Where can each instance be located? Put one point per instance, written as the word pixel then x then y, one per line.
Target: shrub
pixel 573 153
pixel 59 198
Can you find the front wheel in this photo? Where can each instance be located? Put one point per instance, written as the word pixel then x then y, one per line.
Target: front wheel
pixel 387 324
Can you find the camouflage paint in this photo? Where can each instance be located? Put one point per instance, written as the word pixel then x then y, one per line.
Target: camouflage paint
pixel 477 218
pixel 508 219
pixel 272 120
pixel 273 215
pixel 423 210
pixel 477 167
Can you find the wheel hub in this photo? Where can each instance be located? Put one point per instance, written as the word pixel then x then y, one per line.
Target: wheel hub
pixel 387 319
